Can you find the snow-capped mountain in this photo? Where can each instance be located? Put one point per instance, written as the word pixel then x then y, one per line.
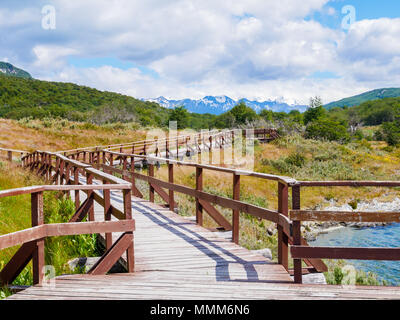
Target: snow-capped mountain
pixel 221 104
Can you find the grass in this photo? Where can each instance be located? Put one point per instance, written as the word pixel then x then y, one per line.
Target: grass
pixel 55 135
pixel 15 215
pixel 341 273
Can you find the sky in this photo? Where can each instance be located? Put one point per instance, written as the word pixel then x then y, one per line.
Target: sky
pixel 256 49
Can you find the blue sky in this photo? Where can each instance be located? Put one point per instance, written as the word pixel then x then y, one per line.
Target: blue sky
pixel 259 49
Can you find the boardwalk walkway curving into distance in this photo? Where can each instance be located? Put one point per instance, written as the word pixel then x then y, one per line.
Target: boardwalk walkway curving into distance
pixel 174 257
pixel 177 259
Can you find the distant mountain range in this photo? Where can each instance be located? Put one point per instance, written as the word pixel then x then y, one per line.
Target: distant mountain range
pixel 8 69
pixel 367 96
pixel 220 104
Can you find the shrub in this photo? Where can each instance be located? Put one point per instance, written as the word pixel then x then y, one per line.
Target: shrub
pixel 325 129
pixel 296 159
pixel 391 133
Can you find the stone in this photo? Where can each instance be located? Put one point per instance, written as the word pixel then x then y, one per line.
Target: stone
pixel 264 252
pixel 313 278
pixel 270 231
pixel 88 263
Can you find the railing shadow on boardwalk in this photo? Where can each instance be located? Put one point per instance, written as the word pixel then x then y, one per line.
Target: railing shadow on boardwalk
pixel 196 241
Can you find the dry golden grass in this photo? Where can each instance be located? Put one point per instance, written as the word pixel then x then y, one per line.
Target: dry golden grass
pixel 61 135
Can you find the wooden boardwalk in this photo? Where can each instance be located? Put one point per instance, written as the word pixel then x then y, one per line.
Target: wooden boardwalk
pixel 177 259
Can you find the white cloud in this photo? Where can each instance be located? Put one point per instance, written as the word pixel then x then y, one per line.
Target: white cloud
pixel 257 48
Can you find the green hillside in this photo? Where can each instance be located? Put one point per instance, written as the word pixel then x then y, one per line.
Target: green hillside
pixel 8 69
pixel 364 97
pixel 20 98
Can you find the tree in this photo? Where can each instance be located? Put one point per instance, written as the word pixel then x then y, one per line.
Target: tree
pixel 315 111
pixel 225 120
pixel 181 116
pixel 390 133
pixel 326 129
pixel 243 113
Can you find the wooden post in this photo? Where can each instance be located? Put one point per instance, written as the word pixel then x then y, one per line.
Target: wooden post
pixel 151 174
pixel 111 160
pixel 48 167
pixel 89 180
pixel 236 213
pixel 62 168
pixel 76 182
pixel 124 168
pixel 297 234
pixel 199 187
pixel 171 180
pixel 67 173
pixel 9 156
pixel 133 176
pixel 283 240
pixel 130 255
pixel 57 174
pixel 38 253
pixel 107 214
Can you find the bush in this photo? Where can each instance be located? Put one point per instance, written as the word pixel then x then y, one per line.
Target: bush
pixel 296 159
pixel 325 129
pixel 390 133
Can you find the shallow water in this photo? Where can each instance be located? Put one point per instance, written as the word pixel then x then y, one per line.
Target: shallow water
pixel 388 236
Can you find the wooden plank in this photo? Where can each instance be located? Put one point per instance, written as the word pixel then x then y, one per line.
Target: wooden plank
pixel 199 187
pixel 216 215
pixel 20 191
pixel 349 183
pixel 283 237
pixel 105 263
pixel 21 237
pixel 17 263
pixel 345 253
pixel 344 216
pixel 235 212
pixel 83 210
pixel 69 229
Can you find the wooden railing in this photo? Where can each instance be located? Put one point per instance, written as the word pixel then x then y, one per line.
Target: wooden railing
pixel 169 147
pixel 103 164
pixel 205 202
pixel 157 146
pixel 300 251
pixel 8 154
pixel 65 173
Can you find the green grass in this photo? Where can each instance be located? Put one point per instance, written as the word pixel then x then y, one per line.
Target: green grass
pixel 15 215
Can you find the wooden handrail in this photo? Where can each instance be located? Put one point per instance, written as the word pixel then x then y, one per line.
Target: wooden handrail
pixel 32 239
pixel 349 183
pixel 299 251
pixel 283 179
pixel 63 229
pixel 288 221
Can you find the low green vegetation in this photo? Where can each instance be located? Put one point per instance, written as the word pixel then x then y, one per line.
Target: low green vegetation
pixel 15 215
pixel 341 273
